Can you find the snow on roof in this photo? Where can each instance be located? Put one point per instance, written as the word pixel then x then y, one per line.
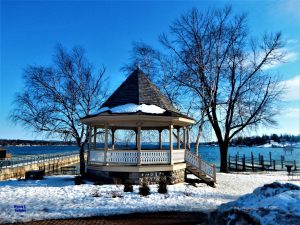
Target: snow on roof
pixel 132 108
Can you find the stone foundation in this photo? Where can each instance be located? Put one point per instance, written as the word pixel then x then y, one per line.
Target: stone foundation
pixel 173 177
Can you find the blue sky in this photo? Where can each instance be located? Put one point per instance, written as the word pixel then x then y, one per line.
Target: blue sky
pixel 31 29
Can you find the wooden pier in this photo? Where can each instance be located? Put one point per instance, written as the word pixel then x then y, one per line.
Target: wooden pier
pixel 260 163
pixel 16 167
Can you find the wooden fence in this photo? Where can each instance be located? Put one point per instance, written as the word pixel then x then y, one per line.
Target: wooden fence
pixel 260 163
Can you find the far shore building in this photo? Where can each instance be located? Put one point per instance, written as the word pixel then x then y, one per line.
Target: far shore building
pixel 139 105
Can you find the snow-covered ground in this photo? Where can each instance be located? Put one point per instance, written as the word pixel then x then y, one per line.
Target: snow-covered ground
pixel 58 197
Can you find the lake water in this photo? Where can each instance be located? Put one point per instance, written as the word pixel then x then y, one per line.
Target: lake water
pixel 208 153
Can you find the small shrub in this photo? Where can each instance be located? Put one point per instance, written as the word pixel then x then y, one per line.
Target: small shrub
pixel 187 192
pixel 98 182
pixel 128 187
pixel 96 194
pixel 144 189
pixel 162 185
pixel 78 180
pixel 116 194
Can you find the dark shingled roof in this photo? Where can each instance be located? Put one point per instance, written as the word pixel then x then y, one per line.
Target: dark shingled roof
pixel 138 89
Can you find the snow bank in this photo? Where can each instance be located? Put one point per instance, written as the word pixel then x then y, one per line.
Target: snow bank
pixel 132 108
pixel 274 203
pixel 56 197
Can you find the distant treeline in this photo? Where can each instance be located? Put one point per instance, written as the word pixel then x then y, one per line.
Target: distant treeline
pixel 265 139
pixel 8 142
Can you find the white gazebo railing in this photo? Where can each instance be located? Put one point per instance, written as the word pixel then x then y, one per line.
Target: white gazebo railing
pixel 133 156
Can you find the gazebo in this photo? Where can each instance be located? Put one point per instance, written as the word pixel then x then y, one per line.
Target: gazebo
pixel 139 105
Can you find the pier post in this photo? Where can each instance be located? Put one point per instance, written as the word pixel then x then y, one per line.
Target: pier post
pixel 270 154
pixel 252 161
pixel 295 165
pixel 282 159
pixel 236 162
pixel 244 163
pixel 229 163
pixel 262 162
pixel 274 165
pixel 259 159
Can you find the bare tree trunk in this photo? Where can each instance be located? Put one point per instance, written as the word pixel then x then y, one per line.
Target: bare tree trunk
pixel 223 154
pixel 82 160
pixel 198 140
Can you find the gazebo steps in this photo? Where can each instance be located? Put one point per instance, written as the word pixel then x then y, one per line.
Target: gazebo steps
pixel 201 175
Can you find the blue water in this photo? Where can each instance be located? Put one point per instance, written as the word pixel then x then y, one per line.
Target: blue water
pixel 34 150
pixel 208 153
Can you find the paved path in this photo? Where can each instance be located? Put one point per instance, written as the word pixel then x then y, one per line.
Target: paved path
pixel 160 218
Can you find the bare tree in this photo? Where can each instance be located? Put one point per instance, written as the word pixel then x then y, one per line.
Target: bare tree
pixel 227 70
pixel 56 97
pixel 160 69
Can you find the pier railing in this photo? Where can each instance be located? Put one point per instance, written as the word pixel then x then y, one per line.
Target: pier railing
pixel 23 160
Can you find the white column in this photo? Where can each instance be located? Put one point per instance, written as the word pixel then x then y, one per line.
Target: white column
pixel 139 144
pixel 171 144
pixel 178 138
pixel 89 144
pixel 113 139
pixel 95 136
pixel 105 143
pixel 184 142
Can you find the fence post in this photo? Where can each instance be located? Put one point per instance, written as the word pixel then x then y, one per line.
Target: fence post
pixel 274 165
pixel 236 162
pixel 252 161
pixel 295 165
pixel 282 159
pixel 270 154
pixel 262 162
pixel 244 163
pixel 229 163
pixel 259 159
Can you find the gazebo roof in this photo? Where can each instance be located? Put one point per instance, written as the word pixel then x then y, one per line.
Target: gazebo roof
pixel 138 89
pixel 137 99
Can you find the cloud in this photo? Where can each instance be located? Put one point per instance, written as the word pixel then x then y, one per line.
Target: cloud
pixel 292 41
pixel 288 57
pixel 292 88
pixel 292 113
pixel 290 8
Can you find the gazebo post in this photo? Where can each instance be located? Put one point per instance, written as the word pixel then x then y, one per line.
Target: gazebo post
pixel 184 138
pixel 171 143
pixel 90 136
pixel 178 138
pixel 113 138
pixel 95 135
pixel 105 143
pixel 160 139
pixel 184 142
pixel 89 142
pixel 139 144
